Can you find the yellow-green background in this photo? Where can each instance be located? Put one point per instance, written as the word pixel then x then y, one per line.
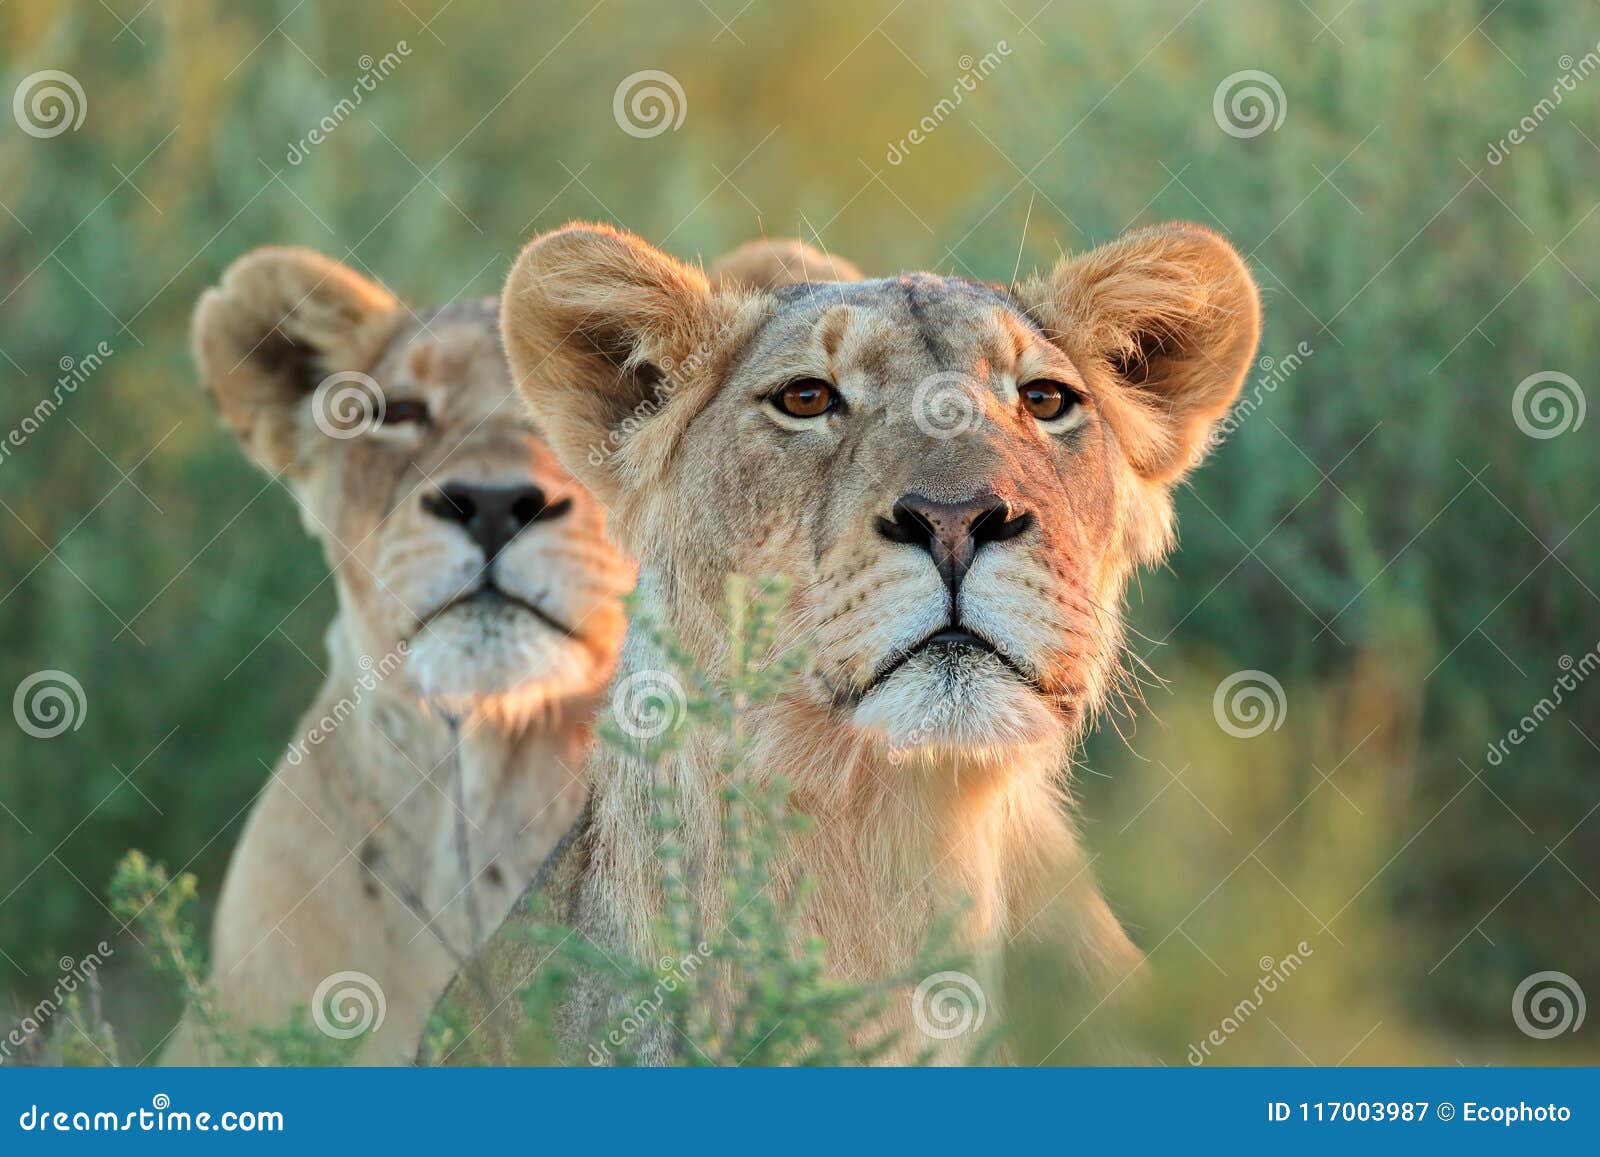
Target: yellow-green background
pixel 1379 536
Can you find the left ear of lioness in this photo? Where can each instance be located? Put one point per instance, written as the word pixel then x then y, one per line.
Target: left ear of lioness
pixel 604 332
pixel 279 322
pixel 1173 314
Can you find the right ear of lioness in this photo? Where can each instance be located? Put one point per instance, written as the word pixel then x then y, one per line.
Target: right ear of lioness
pixel 282 319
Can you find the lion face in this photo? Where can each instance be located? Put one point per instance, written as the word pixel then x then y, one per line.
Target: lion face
pixel 953 551
pixel 958 477
pixel 460 544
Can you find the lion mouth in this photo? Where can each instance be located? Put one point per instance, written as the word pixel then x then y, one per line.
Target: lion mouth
pixel 489 594
pixel 952 637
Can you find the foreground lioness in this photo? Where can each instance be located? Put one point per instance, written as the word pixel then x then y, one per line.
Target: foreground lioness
pixel 959 478
pixel 479 617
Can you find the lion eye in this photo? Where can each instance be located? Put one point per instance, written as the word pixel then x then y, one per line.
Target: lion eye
pixel 806 398
pixel 1047 400
pixel 405 413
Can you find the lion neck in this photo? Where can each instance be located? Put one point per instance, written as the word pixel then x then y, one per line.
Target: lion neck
pixel 893 850
pixel 441 805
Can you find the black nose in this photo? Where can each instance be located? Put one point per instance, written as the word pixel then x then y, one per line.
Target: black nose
pixel 952 532
pixel 493 515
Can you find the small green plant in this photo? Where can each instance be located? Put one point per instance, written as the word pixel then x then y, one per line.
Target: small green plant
pixel 73 1033
pixel 142 893
pixel 750 992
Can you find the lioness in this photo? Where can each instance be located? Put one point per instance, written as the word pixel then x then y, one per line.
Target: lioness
pixel 479 618
pixel 959 478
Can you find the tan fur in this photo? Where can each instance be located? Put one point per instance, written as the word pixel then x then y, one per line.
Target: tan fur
pixel 943 782
pixel 424 786
pixel 774 264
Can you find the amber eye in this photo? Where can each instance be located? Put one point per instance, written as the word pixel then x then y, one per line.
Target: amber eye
pixel 405 413
pixel 806 398
pixel 1047 400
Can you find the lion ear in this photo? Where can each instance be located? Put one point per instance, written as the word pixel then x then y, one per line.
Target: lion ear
pixel 602 331
pixel 773 264
pixel 1173 313
pixel 280 320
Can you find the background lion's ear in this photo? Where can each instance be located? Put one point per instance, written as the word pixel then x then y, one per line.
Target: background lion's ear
pixel 602 330
pixel 280 321
pixel 1173 313
pixel 773 264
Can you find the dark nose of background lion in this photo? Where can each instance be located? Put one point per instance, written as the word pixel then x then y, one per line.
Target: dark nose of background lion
pixel 953 532
pixel 493 515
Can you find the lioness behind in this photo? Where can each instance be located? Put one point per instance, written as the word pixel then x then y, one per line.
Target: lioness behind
pixel 479 619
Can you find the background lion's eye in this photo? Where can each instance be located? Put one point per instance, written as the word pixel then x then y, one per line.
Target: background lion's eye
pixel 1047 400
pixel 404 413
pixel 806 398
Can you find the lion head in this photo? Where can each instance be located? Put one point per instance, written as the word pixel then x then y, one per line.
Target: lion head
pixel 457 539
pixel 959 477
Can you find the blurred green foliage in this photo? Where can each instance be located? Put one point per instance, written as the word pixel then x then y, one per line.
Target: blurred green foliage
pixel 1379 534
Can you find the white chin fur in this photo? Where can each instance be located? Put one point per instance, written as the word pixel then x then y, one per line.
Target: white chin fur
pixel 498 661
pixel 941 699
